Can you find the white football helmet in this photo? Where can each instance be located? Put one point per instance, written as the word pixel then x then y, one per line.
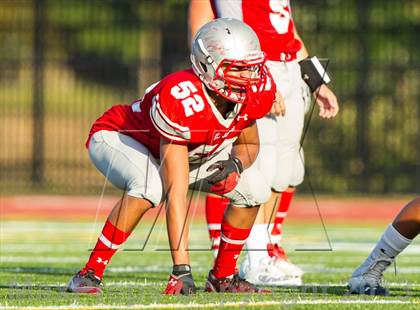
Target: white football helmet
pixel 220 48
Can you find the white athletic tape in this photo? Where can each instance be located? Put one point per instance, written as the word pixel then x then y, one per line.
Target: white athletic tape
pixel 320 69
pixel 108 243
pixel 214 226
pixel 281 214
pixel 232 241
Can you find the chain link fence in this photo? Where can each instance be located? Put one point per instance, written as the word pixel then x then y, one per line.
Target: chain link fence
pixel 64 62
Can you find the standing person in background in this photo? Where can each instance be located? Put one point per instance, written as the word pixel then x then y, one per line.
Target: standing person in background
pixel 366 279
pixel 281 156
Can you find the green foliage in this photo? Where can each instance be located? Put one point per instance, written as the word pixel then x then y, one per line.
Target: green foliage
pixel 101 52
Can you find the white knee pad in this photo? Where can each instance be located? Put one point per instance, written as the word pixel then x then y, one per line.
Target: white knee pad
pixel 290 170
pixel 252 189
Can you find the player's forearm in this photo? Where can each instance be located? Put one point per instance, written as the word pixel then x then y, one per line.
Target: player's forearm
pixel 199 13
pixel 247 146
pixel 303 52
pixel 177 227
pixel 174 171
pixel 176 219
pixel 246 153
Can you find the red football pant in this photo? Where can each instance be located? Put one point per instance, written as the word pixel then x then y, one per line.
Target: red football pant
pixel 231 244
pixel 106 246
pixel 215 210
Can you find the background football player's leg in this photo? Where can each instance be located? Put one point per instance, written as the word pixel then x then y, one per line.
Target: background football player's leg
pixel 407 222
pixel 278 211
pixel 215 207
pixel 405 227
pixel 278 157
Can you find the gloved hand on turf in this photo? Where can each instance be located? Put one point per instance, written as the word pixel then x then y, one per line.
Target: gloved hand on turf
pixel 227 175
pixel 180 281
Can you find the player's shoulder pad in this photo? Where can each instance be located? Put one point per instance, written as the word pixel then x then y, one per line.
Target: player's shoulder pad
pixel 167 111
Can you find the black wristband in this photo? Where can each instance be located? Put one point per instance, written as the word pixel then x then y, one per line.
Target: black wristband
pixel 313 73
pixel 181 269
pixel 238 164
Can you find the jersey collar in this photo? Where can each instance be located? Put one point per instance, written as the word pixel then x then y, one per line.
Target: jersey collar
pixel 225 122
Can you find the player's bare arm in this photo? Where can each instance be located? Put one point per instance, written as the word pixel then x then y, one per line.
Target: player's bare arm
pixel 247 146
pixel 303 52
pixel 174 172
pixel 195 21
pixel 325 97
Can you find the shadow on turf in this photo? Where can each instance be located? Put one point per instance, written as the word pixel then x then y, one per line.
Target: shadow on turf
pixel 39 270
pixel 56 288
pixel 330 290
pixel 71 271
pixel 309 289
pixel 340 290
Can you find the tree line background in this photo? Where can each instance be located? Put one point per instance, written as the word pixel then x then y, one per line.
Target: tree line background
pixel 64 62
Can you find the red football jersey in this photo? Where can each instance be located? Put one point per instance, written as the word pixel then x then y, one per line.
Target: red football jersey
pixel 270 19
pixel 179 109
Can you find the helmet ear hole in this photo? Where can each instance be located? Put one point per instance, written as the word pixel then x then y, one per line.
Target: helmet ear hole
pixel 203 66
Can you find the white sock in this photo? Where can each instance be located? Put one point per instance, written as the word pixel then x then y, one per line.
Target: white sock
pixel 392 242
pixel 256 244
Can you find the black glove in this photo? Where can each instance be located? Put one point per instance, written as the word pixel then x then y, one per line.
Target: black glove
pixel 225 179
pixel 180 281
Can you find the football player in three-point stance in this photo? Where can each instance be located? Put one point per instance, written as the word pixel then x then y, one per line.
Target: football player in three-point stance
pixel 366 279
pixel 196 128
pixel 281 155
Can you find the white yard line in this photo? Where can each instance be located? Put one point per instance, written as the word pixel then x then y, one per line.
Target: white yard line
pixel 146 283
pixel 326 269
pixel 10 245
pixel 213 305
pixel 307 268
pixel 40 259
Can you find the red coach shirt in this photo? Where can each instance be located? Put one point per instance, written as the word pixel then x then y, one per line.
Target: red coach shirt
pixel 179 109
pixel 270 19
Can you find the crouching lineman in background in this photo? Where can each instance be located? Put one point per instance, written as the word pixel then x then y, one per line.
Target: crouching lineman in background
pixel 406 226
pixel 281 155
pixel 194 127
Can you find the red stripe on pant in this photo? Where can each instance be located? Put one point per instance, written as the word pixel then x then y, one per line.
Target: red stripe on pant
pixel 215 209
pixel 284 204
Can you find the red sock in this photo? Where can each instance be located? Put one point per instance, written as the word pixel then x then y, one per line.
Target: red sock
pixel 285 200
pixel 231 244
pixel 106 246
pixel 215 209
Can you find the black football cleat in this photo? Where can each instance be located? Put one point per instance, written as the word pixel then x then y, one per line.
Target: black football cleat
pixel 234 284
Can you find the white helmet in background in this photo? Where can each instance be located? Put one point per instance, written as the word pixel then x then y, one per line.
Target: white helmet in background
pixel 223 46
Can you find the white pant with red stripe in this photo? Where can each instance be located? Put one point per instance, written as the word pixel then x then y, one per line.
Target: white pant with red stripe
pixel 281 157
